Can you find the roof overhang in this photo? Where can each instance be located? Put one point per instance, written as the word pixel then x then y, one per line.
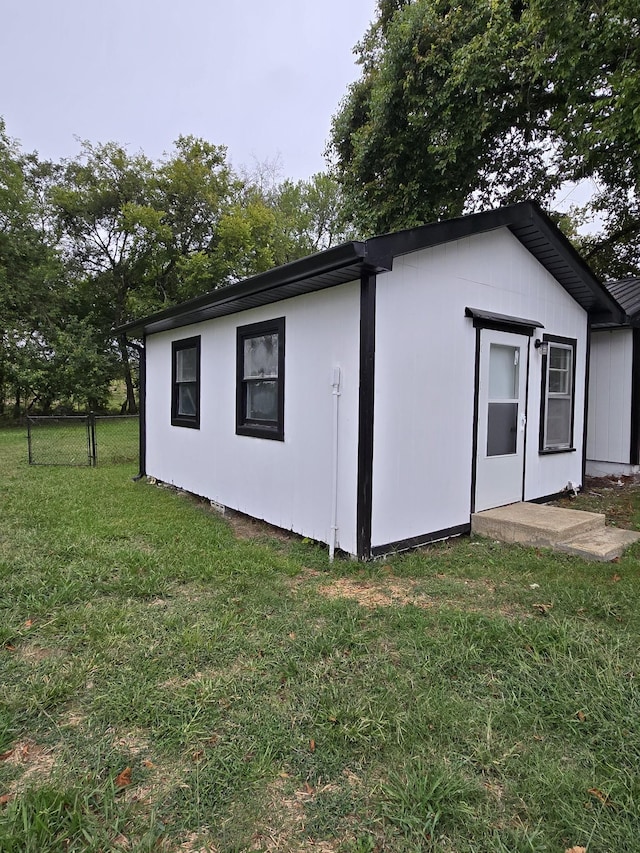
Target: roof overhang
pixel 626 293
pixel 334 266
pixel 537 233
pixel 347 262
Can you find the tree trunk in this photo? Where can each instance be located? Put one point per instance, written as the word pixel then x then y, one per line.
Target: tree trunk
pixel 17 404
pixel 130 406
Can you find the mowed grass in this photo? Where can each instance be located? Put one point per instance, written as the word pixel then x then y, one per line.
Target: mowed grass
pixel 166 685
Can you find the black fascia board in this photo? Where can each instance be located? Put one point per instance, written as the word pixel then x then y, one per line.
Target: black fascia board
pixel 353 253
pixel 603 301
pixel 445 231
pixel 600 322
pixel 526 220
pixel 515 217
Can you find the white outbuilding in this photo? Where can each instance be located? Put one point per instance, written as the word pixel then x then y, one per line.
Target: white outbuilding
pixel 613 433
pixel 374 395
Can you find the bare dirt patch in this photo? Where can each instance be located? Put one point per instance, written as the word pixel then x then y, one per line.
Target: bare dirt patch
pixel 237 667
pixel 191 592
pixel 371 594
pixel 133 742
pixel 33 654
pixel 149 781
pixel 145 779
pixel 613 496
pixel 246 527
pixel 34 761
pixel 193 844
pixel 494 788
pixel 305 576
pixel 139 543
pixel 285 828
pixel 477 595
pixel 629 480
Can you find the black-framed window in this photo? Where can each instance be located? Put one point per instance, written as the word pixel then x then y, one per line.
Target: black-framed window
pixel 260 380
pixel 185 382
pixel 558 394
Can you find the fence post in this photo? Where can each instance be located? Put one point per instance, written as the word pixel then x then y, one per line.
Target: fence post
pixel 93 447
pixel 29 440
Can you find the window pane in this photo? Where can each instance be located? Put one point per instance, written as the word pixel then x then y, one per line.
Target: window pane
pixel 559 370
pixel 558 422
pixel 261 357
pixel 558 382
pixel 262 400
pixel 503 372
pixel 187 399
pixel 186 365
pixel 559 358
pixel 502 429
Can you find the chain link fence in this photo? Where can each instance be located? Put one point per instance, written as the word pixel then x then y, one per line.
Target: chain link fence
pixel 83 440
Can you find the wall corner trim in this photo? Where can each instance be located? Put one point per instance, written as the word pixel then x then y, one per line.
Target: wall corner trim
pixel 365 414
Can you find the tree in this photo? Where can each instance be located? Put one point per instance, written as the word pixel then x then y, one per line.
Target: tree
pixel 30 271
pixel 141 236
pixel 224 226
pixel 110 233
pixel 310 215
pixel 465 105
pixel 108 236
pixel 195 189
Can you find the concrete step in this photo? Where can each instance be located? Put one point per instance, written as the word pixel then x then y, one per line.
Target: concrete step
pixel 601 545
pixel 534 524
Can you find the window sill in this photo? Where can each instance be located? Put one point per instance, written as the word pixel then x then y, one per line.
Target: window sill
pixel 191 423
pixel 552 450
pixel 273 433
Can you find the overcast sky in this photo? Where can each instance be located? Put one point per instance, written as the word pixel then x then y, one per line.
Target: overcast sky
pixel 262 77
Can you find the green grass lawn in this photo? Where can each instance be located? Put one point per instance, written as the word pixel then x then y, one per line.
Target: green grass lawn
pixel 165 685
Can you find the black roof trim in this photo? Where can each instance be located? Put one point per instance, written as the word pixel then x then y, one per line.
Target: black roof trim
pixel 534 229
pixel 435 233
pixel 483 318
pixel 626 292
pixel 324 269
pixel 340 264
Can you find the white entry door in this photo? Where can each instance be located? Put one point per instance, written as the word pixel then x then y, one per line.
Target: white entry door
pixel 502 418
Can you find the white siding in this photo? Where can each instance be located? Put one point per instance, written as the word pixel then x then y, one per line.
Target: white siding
pixel 285 483
pixel 424 389
pixel 609 419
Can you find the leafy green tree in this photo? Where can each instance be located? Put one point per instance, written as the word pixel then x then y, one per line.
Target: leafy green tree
pixel 195 188
pixel 30 269
pixel 220 226
pixel 65 366
pixel 95 241
pixel 140 235
pixel 223 226
pixel 310 215
pixel 464 105
pixel 110 230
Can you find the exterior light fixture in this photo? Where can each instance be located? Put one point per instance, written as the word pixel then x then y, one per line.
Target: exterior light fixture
pixel 543 346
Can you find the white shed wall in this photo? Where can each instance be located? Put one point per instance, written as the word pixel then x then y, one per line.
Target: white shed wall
pixel 425 368
pixel 285 483
pixel 609 417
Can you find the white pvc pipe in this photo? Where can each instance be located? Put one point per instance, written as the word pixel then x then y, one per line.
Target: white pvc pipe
pixel 333 533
